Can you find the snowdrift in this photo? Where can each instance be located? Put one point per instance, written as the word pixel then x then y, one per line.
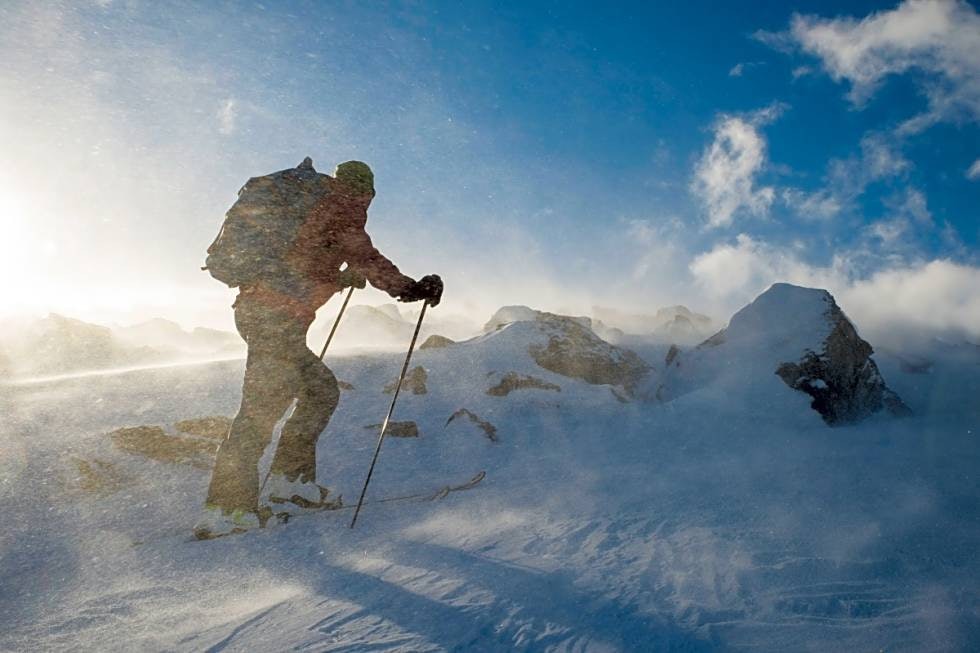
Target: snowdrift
pixel 722 513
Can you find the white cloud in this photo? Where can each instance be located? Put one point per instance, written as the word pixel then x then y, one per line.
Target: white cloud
pixel 641 232
pixel 802 71
pixel 742 67
pixel 915 206
pixel 725 177
pixel 938 37
pixel 889 231
pixel 973 173
pixel 880 158
pixel 938 296
pixel 736 273
pixel 821 204
pixel 908 221
pixel 227 115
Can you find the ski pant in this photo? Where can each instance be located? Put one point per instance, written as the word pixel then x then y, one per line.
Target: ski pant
pixel 279 369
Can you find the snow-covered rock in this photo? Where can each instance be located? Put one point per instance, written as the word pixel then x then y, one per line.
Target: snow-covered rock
pixel 608 333
pixel 574 350
pixel 391 310
pixel 58 344
pixel 508 314
pixel 669 325
pixel 364 326
pixel 568 346
pixel 632 323
pixel 166 335
pixel 385 327
pixel 803 337
pixel 435 341
pixel 681 325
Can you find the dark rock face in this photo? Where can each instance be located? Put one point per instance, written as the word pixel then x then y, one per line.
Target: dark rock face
pixel 843 380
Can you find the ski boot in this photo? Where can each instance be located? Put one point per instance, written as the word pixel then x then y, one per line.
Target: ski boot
pixel 217 521
pixel 296 497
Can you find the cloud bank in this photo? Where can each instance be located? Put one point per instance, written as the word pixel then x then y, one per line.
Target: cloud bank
pixel 895 303
pixel 940 38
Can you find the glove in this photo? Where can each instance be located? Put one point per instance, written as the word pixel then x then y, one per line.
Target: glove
pixel 428 288
pixel 348 277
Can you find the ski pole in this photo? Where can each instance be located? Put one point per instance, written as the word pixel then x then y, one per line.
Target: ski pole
pixel 391 409
pixel 323 352
pixel 336 323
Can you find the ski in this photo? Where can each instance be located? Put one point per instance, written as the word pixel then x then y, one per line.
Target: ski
pixel 336 507
pixel 441 493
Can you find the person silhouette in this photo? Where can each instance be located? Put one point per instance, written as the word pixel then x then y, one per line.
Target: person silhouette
pixel 273 311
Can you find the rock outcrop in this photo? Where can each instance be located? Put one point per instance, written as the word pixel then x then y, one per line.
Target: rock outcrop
pixel 488 429
pixel 514 381
pixel 166 335
pixel 406 429
pixel 679 324
pixel 509 314
pixel 437 342
pixel 568 346
pixel 414 382
pixel 842 378
pixel 801 335
pixel 573 350
pixel 670 324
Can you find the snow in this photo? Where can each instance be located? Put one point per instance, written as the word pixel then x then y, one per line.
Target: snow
pixel 779 326
pixel 707 522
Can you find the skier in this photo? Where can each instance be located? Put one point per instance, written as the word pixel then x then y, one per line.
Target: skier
pixel 317 224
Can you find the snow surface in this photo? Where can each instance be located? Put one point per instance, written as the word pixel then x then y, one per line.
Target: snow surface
pixel 703 523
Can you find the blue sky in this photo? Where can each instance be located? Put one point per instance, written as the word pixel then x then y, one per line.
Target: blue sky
pixel 556 154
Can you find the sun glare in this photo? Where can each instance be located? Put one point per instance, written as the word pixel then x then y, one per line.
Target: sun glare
pixel 26 258
pixel 17 245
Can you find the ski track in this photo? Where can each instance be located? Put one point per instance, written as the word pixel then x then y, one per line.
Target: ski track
pixel 546 554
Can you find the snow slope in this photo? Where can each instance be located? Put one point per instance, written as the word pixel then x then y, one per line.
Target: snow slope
pixel 57 345
pixel 703 523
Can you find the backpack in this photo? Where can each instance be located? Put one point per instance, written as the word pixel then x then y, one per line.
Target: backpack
pixel 260 230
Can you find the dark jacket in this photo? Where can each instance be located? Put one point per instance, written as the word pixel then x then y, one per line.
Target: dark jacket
pixel 333 235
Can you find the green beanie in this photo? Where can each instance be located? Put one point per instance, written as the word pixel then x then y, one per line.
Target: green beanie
pixel 356 175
